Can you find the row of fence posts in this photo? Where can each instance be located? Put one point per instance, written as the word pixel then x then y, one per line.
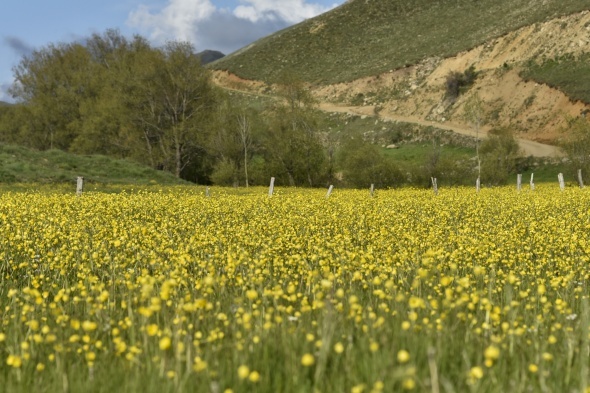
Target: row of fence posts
pixel 80 185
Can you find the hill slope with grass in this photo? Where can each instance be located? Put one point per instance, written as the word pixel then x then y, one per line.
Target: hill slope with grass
pixel 21 165
pixel 529 61
pixel 369 37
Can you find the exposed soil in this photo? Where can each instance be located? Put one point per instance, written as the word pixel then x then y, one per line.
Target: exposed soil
pixel 535 112
pixel 528 147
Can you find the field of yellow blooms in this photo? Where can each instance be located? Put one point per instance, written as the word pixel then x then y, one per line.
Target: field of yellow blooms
pixel 172 291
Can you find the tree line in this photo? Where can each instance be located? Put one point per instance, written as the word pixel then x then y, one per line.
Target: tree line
pixel 125 98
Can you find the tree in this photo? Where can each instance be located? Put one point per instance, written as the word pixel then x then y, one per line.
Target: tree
pixel 292 144
pixel 499 156
pixel 119 97
pixel 576 144
pixel 363 164
pixel 474 113
pixel 183 99
pixel 53 82
pixel 235 141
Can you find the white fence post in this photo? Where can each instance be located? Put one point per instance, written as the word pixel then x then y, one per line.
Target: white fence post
pixel 518 182
pixel 434 185
pixel 271 188
pixel 561 181
pixel 580 180
pixel 532 183
pixel 372 189
pixel 79 186
pixel 477 184
pixel 329 191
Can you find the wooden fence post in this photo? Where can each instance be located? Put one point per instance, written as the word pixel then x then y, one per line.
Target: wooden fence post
pixel 207 192
pixel 477 184
pixel 79 186
pixel 434 185
pixel 518 182
pixel 532 183
pixel 271 188
pixel 580 180
pixel 372 189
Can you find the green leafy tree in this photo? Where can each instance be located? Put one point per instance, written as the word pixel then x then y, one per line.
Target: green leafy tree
pixel 363 164
pixel 234 142
pixel 53 82
pixel 576 144
pixel 499 156
pixel 293 146
pixel 119 97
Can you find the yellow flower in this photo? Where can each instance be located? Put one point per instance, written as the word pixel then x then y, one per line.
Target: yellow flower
pixel 408 384
pixel 90 356
pixel 165 343
pixel 403 356
pixel 243 372
pixel 34 325
pixel 476 372
pixel 492 353
pixel 547 356
pixel 254 376
pixel 89 326
pixel 251 294
pixel 358 388
pixel 152 329
pixel 14 361
pixel 533 368
pixel 338 348
pixel 307 360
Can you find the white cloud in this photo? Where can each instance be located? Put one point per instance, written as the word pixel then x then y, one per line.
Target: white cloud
pixel 291 11
pixel 211 27
pixel 4 95
pixel 178 20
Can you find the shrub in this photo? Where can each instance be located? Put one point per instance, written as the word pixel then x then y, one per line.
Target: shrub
pixel 457 82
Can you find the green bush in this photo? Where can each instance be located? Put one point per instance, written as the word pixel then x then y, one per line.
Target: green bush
pixel 363 164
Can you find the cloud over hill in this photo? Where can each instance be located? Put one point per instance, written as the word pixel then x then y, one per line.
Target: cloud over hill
pixel 212 27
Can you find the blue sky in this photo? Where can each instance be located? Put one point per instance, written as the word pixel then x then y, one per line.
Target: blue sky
pixel 224 25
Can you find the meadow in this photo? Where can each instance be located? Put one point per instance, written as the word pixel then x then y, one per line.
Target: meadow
pixel 167 290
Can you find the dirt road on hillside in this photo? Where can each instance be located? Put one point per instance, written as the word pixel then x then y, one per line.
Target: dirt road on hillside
pixel 529 148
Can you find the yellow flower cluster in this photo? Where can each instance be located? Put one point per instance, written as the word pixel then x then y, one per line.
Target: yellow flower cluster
pixel 297 292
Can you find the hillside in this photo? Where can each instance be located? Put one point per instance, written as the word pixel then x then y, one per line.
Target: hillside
pixel 530 78
pixel 363 38
pixel 21 165
pixel 209 56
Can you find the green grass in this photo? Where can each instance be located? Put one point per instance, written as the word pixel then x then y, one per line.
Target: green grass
pixel 363 38
pixel 20 165
pixel 418 152
pixel 569 74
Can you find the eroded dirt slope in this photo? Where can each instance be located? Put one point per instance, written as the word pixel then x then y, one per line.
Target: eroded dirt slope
pixel 534 111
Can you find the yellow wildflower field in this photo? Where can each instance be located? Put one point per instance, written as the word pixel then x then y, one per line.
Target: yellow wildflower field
pixel 172 291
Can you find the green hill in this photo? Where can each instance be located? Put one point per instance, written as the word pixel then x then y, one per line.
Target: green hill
pixel 369 37
pixel 21 165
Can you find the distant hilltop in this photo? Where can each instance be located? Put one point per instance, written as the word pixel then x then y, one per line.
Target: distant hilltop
pixel 209 56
